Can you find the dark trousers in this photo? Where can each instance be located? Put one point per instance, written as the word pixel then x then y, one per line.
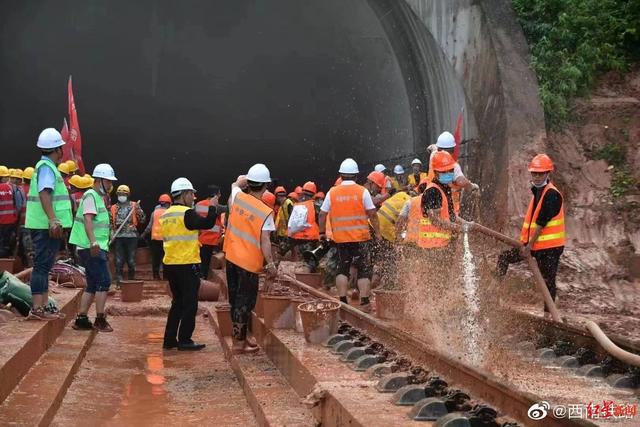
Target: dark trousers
pixel 547 259
pixel 125 248
pixel 243 293
pixel 205 258
pixel 184 281
pixel 7 240
pixel 46 250
pixel 157 254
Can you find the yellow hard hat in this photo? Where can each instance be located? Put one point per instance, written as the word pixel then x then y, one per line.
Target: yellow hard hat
pixel 15 173
pixel 89 180
pixel 72 165
pixel 28 173
pixel 123 189
pixel 77 181
pixel 4 171
pixel 64 168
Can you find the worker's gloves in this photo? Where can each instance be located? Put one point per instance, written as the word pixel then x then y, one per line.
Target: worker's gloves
pixel 432 148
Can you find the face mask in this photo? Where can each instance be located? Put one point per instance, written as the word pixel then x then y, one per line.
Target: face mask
pixel 122 199
pixel 539 185
pixel 446 178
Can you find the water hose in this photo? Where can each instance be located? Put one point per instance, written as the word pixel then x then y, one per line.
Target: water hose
pixel 610 347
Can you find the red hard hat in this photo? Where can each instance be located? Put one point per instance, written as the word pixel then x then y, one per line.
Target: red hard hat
pixel 293 196
pixel 541 163
pixel 280 189
pixel 442 161
pixel 377 178
pixel 298 190
pixel 164 198
pixel 269 199
pixel 319 195
pixel 310 187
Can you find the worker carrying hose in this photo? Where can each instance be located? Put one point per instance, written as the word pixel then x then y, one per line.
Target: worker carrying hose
pixel 247 246
pixel 351 209
pixel 303 224
pixel 543 232
pixel 179 226
pixel 90 234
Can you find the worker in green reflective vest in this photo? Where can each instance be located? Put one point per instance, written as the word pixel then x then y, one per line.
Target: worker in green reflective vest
pixel 48 213
pixel 90 234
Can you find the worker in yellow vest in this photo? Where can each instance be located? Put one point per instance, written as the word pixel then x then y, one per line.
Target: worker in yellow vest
pixel 351 209
pixel 543 230
pixel 179 226
pixel 247 247
pixel 154 230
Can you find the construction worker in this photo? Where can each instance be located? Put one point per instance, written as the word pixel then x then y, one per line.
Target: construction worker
pixel 78 186
pixel 388 188
pixel 247 247
pixel 398 180
pixel 179 227
pixel 446 142
pixel 154 230
pixel 307 237
pixel 90 235
pixel 65 171
pixel 269 199
pixel 209 239
pixel 282 223
pixel 388 215
pixel 281 195
pixel 416 176
pixel 48 214
pixel 351 209
pixel 543 230
pixel 125 236
pixel 8 213
pixel 24 237
pixel 406 229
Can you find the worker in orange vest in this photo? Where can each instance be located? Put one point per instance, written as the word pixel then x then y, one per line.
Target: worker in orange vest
pixel 351 209
pixel 543 231
pixel 407 227
pixel 126 240
pixel 209 239
pixel 247 248
pixel 303 225
pixel 154 230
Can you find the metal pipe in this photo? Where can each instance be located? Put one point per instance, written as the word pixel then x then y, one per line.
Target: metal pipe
pixel 610 347
pixel 533 266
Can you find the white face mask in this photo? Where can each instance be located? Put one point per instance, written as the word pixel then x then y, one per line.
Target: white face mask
pixel 122 199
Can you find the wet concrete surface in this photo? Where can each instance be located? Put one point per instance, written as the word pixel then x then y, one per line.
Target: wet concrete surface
pixel 127 379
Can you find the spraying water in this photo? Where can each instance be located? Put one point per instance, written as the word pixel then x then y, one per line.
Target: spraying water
pixel 471 326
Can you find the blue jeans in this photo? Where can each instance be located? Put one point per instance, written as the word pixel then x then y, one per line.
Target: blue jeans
pixel 45 251
pixel 98 277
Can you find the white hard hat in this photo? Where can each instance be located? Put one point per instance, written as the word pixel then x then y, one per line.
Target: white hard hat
pixel 379 168
pixel 398 170
pixel 181 184
pixel 50 139
pixel 259 173
pixel 104 171
pixel 416 161
pixel 446 140
pixel 348 167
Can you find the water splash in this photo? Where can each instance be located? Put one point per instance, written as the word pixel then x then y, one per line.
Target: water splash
pixel 470 321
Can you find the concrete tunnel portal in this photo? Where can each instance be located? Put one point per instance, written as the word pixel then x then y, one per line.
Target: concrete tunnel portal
pixel 207 89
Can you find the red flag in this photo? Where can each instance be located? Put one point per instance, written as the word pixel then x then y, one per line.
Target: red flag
pixel 457 135
pixel 67 150
pixel 75 139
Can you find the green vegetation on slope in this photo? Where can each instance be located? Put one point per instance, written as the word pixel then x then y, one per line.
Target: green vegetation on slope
pixel 573 41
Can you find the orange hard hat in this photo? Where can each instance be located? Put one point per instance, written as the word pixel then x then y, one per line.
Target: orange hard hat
pixel 541 163
pixel 310 187
pixel 164 198
pixel 269 199
pixel 293 196
pixel 280 189
pixel 319 195
pixel 298 190
pixel 377 178
pixel 442 161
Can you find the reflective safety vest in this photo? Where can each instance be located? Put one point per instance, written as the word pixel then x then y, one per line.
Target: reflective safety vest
pixel 388 215
pixel 242 244
pixel 552 235
pixel 156 228
pixel 23 211
pixel 395 184
pixel 415 220
pixel 349 221
pixel 430 236
pixel 212 235
pixel 180 244
pixel 37 219
pixel 411 179
pixel 313 232
pixel 282 219
pixel 133 218
pixel 100 222
pixel 8 214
